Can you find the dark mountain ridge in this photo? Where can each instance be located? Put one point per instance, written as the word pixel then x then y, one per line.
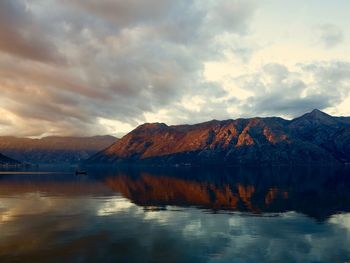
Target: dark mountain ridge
pixel 314 138
pixel 4 160
pixel 53 149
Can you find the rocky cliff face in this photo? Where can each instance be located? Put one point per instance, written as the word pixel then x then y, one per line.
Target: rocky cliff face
pixel 314 138
pixel 53 149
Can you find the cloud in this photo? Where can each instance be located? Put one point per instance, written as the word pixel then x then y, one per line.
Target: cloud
pixel 330 35
pixel 275 88
pixel 122 59
pixel 22 36
pixel 69 67
pixel 231 15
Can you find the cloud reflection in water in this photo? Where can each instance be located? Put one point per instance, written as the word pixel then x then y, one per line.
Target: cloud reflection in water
pixel 41 221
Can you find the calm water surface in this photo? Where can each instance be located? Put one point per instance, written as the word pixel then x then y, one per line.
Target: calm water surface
pixel 177 215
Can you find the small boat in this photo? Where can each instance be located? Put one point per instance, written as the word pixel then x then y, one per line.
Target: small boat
pixel 80 172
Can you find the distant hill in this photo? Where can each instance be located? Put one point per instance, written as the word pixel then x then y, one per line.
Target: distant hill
pixel 4 160
pixel 314 138
pixel 53 149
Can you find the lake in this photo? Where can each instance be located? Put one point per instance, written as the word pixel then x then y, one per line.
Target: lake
pixel 175 215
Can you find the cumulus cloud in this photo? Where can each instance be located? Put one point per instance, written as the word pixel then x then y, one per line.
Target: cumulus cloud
pixel 275 88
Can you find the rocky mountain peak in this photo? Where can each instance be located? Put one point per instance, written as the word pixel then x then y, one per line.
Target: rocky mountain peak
pixel 316 113
pixel 315 117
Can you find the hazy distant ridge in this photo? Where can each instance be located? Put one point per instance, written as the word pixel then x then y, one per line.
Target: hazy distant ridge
pixel 4 160
pixel 53 149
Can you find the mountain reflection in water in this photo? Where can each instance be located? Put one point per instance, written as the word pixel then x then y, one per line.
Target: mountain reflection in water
pixel 318 193
pixel 176 215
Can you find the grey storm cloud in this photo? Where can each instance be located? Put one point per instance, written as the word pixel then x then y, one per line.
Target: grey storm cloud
pixel 121 58
pixel 21 35
pixel 65 65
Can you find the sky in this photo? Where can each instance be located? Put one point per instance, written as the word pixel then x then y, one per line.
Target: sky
pixel 85 67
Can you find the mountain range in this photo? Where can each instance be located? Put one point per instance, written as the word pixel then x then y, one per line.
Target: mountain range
pixel 53 149
pixel 314 138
